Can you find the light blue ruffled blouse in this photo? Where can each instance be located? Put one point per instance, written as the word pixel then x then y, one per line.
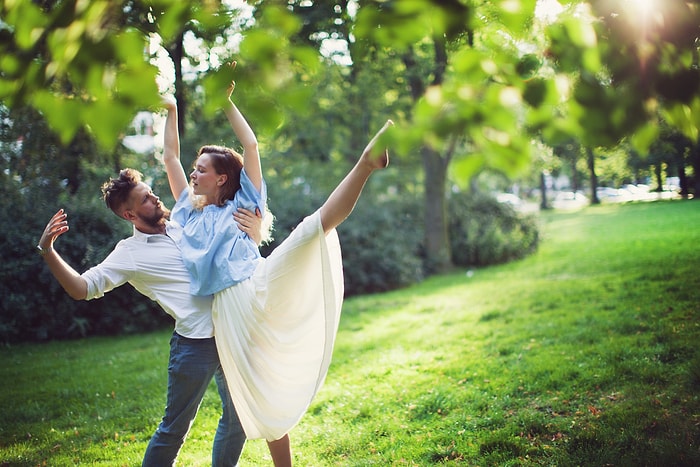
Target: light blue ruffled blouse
pixel 216 252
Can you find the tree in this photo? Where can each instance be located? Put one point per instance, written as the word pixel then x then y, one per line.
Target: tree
pixel 72 62
pixel 590 162
pixel 680 158
pixel 479 87
pixel 669 156
pixel 452 76
pixel 569 152
pixel 82 63
pixel 630 62
pixel 173 23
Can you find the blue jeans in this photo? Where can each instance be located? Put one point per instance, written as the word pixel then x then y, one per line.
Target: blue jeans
pixel 193 363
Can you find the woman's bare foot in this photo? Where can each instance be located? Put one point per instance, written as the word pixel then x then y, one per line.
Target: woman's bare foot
pixel 376 160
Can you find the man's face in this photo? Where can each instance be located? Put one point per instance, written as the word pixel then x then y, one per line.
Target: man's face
pixel 144 208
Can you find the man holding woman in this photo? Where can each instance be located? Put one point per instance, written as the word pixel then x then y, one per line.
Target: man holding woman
pixel 151 261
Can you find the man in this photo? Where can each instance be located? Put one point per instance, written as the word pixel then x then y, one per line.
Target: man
pixel 151 262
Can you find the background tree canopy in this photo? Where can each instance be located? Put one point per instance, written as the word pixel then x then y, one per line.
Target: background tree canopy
pixel 506 87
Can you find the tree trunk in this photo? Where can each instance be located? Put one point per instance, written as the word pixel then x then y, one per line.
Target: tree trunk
pixel 658 174
pixel 683 179
pixel 574 171
pixel 438 256
pixel 594 177
pixel 176 51
pixel 543 191
pixel 695 164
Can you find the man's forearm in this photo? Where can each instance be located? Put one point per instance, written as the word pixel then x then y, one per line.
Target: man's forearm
pixel 68 277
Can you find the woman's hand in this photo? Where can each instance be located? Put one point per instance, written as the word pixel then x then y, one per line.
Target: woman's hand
pixel 169 102
pixel 231 86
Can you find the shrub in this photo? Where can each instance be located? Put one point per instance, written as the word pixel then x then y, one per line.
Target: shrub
pixel 484 231
pixel 380 240
pixel 381 246
pixel 35 307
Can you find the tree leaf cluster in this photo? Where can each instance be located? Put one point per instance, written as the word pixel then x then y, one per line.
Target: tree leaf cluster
pixel 631 65
pixel 74 62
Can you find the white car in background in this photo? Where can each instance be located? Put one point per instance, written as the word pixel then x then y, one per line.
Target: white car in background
pixel 570 200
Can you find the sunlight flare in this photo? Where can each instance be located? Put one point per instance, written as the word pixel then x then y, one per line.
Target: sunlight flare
pixel 644 6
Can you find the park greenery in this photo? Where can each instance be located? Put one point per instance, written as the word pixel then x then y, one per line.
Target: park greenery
pixel 486 96
pixel 581 354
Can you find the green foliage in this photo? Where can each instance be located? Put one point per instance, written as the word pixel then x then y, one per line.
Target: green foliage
pixel 485 232
pixel 630 65
pixel 71 61
pixel 381 246
pixel 613 169
pixel 35 307
pixel 82 63
pixel 380 240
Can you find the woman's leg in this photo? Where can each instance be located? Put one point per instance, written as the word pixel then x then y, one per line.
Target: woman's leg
pixel 281 451
pixel 342 201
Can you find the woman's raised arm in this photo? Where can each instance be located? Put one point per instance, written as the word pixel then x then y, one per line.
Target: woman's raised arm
pixel 171 149
pixel 245 135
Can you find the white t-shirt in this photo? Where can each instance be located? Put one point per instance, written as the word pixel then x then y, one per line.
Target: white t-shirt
pixel 152 264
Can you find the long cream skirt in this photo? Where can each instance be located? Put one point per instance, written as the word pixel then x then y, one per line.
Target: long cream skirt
pixel 275 331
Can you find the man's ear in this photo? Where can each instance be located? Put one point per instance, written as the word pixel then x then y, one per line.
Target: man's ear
pixel 128 215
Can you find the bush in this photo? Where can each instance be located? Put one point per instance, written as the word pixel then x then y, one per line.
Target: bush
pixel 381 246
pixel 34 306
pixel 380 240
pixel 484 231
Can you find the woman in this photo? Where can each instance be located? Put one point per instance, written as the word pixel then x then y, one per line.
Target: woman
pixel 275 318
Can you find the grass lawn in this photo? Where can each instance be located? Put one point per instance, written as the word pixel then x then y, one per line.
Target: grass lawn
pixel 583 354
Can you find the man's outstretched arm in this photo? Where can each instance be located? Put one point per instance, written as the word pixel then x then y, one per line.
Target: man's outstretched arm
pixel 68 277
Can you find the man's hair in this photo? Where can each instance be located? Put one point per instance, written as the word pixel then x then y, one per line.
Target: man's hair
pixel 116 191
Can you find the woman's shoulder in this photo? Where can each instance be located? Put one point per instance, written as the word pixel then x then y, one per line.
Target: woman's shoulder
pixel 215 211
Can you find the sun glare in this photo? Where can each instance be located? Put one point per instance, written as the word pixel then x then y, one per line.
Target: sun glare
pixel 644 6
pixel 548 10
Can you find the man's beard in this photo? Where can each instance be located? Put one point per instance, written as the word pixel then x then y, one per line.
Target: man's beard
pixel 158 218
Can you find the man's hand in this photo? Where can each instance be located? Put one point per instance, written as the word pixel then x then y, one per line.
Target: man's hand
pixel 68 277
pixel 57 226
pixel 250 223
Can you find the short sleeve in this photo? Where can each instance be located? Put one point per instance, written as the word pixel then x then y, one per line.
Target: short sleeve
pixel 182 209
pixel 248 196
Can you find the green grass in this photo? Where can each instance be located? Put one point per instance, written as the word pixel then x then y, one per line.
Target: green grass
pixel 584 354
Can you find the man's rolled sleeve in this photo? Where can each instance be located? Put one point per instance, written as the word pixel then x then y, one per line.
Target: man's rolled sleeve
pixel 114 271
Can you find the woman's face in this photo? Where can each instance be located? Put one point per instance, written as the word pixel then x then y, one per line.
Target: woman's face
pixel 205 180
